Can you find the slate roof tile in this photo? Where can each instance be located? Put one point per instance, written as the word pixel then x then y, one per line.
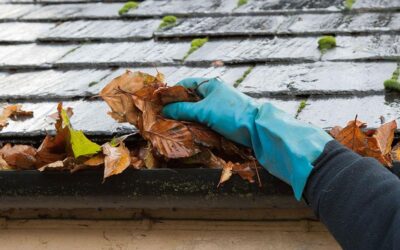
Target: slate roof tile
pixel 320 78
pixel 16 32
pixel 126 54
pixel 74 11
pixel 67 50
pixel 302 24
pixel 111 30
pixel 183 7
pixel 329 112
pixel 12 12
pixel 31 55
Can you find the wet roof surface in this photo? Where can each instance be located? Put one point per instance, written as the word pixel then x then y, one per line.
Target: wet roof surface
pixel 67 50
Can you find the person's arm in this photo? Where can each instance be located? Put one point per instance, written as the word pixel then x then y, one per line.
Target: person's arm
pixel 356 198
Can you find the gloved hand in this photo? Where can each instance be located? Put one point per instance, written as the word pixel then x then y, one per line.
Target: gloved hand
pixel 283 145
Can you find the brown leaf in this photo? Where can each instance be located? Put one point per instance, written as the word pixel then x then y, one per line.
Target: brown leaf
pixel 68 163
pixel 203 135
pixel 172 139
pixel 147 156
pixel 19 156
pixel 116 160
pixel 55 116
pixel 380 144
pixel 358 123
pixel 177 93
pixel 95 160
pixel 396 152
pixel 371 143
pixel 4 165
pixel 51 150
pixel 245 171
pixel 335 131
pixel 13 112
pixel 118 93
pixel 137 163
pixel 231 149
pixel 57 165
pixel 353 137
pixel 385 135
pixel 226 173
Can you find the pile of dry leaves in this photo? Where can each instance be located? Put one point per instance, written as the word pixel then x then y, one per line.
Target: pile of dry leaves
pixel 138 98
pixel 376 143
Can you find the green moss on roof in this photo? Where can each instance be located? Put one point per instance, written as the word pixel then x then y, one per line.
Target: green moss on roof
pixel 393 83
pixel 127 6
pixel 167 21
pixel 195 45
pixel 302 105
pixel 348 4
pixel 241 79
pixel 326 43
pixel 241 2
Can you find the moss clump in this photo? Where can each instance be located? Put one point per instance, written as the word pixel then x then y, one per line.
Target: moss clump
pixel 302 105
pixel 348 4
pixel 195 45
pixel 91 84
pixel 396 73
pixel 127 6
pixel 241 2
pixel 393 83
pixel 326 43
pixel 167 21
pixel 245 74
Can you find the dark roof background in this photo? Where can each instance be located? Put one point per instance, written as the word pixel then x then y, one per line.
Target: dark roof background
pixel 68 50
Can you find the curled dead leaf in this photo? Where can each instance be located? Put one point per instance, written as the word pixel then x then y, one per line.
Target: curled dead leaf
pixel 226 173
pixel 13 112
pixel 117 159
pixel 19 156
pixel 371 143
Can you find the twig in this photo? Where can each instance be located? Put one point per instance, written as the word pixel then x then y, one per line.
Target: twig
pixel 258 175
pixel 354 132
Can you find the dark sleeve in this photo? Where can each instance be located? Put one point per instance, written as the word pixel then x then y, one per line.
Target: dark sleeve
pixel 356 198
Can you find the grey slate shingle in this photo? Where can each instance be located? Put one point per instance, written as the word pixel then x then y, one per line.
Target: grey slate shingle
pixel 260 6
pixel 369 5
pixel 329 112
pixel 257 50
pixel 321 78
pixel 22 32
pixel 183 7
pixel 349 48
pixel 304 24
pixel 126 54
pixel 31 55
pixel 102 30
pixel 13 12
pixel 74 11
pixel 48 84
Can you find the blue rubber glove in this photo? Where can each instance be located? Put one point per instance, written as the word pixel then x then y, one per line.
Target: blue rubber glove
pixel 283 145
